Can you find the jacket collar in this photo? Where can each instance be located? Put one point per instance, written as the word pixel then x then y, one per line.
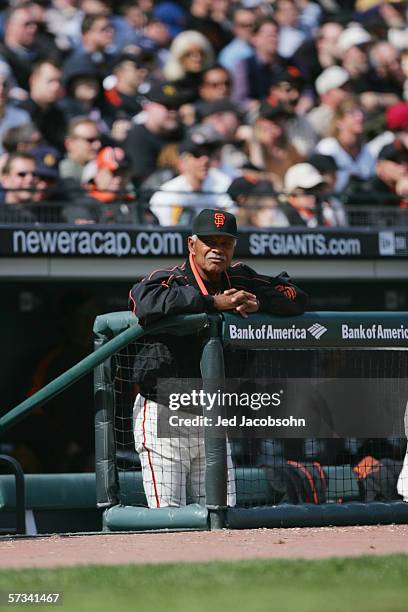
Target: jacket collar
pixel 225 280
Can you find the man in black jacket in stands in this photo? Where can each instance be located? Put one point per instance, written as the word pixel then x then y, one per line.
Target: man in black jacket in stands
pixel 206 282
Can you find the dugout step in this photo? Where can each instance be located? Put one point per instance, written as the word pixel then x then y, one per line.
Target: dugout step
pixel 56 503
pixel 324 515
pixel 131 518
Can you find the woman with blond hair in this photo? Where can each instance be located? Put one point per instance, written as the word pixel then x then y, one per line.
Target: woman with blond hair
pixel 346 144
pixel 190 54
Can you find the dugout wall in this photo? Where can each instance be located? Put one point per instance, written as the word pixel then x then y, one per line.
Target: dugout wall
pixel 351 481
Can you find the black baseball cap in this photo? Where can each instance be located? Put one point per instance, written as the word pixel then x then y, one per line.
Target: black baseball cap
pixel 218 106
pixel 323 163
pixel 215 222
pixel 272 109
pixel 201 139
pixel 167 94
pixel 244 186
pixel 290 74
pixel 396 152
pixel 139 57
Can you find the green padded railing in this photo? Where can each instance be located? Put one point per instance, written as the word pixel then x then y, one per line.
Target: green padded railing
pixel 124 329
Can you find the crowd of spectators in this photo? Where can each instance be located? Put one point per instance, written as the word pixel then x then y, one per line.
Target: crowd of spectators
pixel 286 112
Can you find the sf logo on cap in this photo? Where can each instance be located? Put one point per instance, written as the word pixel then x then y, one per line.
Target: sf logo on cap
pixel 219 219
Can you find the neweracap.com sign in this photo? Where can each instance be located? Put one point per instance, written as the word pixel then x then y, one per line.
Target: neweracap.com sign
pixel 123 242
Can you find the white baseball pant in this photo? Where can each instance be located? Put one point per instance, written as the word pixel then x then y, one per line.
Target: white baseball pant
pixel 402 485
pixel 173 468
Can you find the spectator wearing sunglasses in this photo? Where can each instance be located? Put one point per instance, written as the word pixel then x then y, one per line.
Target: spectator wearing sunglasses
pixel 215 84
pixel 18 180
pixel 82 144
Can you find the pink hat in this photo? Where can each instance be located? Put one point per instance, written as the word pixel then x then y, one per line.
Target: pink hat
pixel 397 116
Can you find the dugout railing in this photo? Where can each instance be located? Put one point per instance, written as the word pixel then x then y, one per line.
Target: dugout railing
pixel 118 475
pixel 235 347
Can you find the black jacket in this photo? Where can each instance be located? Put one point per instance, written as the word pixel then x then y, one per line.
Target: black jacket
pixel 50 122
pixel 175 291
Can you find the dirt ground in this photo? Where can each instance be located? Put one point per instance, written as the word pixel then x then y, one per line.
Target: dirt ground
pixel 141 548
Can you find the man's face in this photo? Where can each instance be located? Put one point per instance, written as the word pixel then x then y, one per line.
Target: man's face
pixel 225 123
pixel 161 118
pixel 21 176
pixel 158 32
pixel 216 85
pixel 302 199
pixel 196 164
pixel 266 39
pixel 22 27
pixel 243 24
pixel 286 92
pixel 212 254
pixel 135 16
pixel 352 122
pixel 109 180
pixel 286 13
pixel 46 84
pixel 357 57
pixel 84 143
pixel 327 38
pixel 387 62
pixel 129 73
pixel 85 88
pixel 101 33
pixel 336 95
pixel 269 131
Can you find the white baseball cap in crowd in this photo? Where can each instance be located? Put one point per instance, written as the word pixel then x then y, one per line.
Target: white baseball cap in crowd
pixel 331 78
pixel 303 176
pixel 353 36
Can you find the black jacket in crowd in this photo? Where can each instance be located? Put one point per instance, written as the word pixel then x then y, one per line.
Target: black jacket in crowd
pixel 175 291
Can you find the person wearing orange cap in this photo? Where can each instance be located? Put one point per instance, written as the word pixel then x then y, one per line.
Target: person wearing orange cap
pixel 106 177
pixel 107 199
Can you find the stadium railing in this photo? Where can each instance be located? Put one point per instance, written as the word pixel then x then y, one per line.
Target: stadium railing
pixel 375 212
pixel 348 482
